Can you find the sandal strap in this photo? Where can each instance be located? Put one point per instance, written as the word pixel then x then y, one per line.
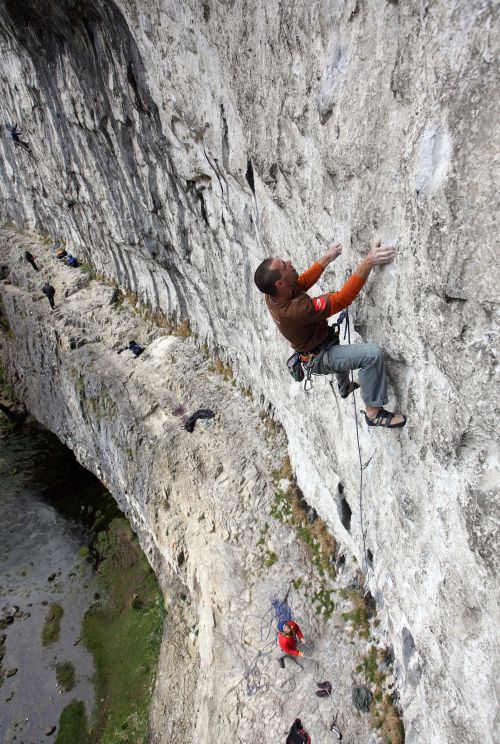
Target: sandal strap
pixel 383 416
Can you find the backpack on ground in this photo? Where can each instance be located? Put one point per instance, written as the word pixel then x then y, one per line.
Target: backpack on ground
pixel 297 734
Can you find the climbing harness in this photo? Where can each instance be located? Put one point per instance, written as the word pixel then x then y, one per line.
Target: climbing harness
pixel 308 360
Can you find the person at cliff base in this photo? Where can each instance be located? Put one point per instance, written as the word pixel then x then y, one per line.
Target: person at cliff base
pixel 49 292
pixel 14 133
pixel 30 258
pixel 298 734
pixel 289 634
pixel 302 320
pixel 134 347
pixel 71 261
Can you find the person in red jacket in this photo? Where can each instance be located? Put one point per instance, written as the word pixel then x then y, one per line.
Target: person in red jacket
pixel 289 634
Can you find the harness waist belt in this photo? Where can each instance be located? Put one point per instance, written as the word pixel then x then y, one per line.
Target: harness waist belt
pixel 332 338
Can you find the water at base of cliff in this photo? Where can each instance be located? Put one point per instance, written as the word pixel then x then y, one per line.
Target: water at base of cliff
pixel 48 505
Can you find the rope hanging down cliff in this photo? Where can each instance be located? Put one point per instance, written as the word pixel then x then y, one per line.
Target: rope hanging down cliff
pixel 365 566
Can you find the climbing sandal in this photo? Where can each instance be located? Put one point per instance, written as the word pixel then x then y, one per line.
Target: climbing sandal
pixel 384 418
pixel 350 389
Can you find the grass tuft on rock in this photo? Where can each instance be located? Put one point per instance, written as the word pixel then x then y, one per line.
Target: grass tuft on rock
pixel 52 625
pixel 363 610
pixel 65 675
pixel 389 722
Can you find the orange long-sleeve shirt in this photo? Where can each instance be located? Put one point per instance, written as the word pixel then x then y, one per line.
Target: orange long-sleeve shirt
pixel 303 320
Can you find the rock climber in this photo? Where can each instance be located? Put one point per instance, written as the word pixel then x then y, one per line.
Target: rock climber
pixel 289 634
pixel 14 133
pixel 134 347
pixel 49 291
pixel 30 258
pixel 71 261
pixel 303 322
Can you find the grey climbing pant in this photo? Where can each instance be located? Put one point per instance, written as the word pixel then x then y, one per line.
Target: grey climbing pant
pixel 368 358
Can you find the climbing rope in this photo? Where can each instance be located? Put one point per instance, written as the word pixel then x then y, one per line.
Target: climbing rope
pixel 254 675
pixel 344 315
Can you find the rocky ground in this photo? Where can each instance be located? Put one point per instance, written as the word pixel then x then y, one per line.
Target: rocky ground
pixel 210 508
pixel 175 145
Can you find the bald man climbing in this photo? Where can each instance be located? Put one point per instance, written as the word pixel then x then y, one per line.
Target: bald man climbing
pixel 303 322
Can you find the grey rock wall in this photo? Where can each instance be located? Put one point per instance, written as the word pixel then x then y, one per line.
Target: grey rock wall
pixel 175 145
pixel 203 504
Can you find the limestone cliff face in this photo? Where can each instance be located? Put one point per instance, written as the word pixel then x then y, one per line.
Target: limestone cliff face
pixel 175 145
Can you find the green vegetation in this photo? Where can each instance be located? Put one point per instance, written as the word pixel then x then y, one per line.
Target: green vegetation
pixel 2 654
pixel 222 369
pixel 369 667
pixel 291 508
pixel 266 557
pixel 65 675
pixel 4 323
pixel 363 610
pixel 124 636
pixel 386 718
pixel 263 534
pixel 5 387
pixel 281 509
pixel 271 426
pixel 324 603
pixel 73 724
pixel 52 626
pixel 271 558
pixel 384 714
pixel 88 269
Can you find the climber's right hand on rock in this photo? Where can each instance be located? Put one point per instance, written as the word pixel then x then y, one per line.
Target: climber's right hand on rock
pixel 381 254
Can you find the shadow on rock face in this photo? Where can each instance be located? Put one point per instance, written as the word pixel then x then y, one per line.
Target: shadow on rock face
pixel 92 81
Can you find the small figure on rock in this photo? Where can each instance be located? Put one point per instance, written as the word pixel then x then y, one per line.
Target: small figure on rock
pixel 49 291
pixel 14 133
pixel 289 634
pixel 30 258
pixel 302 320
pixel 71 261
pixel 201 413
pixel 134 347
pixel 298 734
pixel 61 253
